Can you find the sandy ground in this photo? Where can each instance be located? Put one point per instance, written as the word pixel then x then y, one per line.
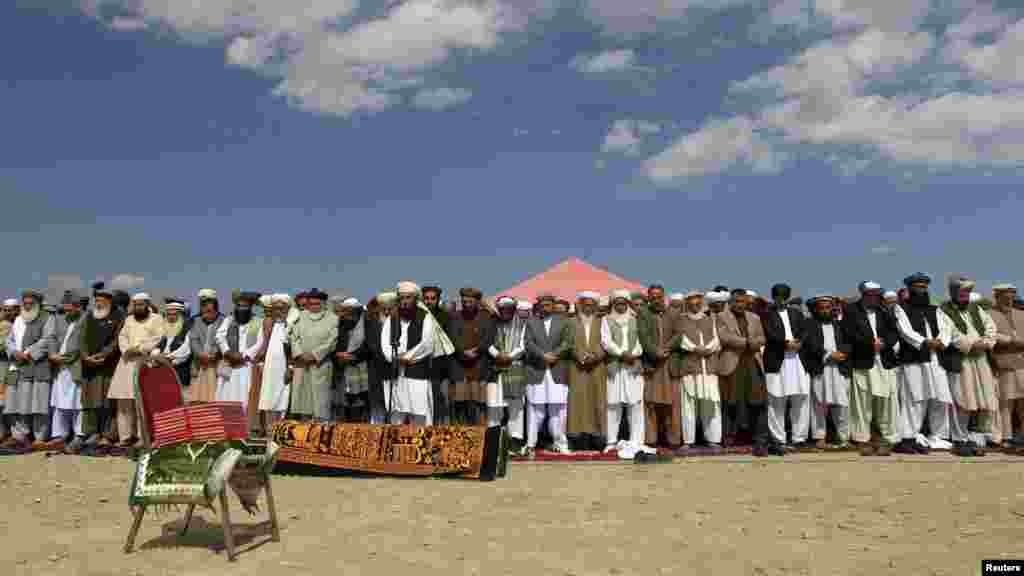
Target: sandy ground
pixel 809 514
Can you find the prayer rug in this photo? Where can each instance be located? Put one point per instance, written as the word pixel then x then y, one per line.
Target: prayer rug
pixel 475 452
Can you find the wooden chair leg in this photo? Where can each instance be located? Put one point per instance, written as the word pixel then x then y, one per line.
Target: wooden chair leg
pixel 229 536
pixel 275 530
pixel 138 511
pixel 188 518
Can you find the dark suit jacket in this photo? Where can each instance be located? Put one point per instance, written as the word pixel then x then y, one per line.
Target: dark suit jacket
pixel 862 339
pixel 812 352
pixel 538 343
pixel 377 368
pixel 775 336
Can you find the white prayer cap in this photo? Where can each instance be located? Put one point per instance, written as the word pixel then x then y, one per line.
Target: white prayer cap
pixel 605 301
pixel 505 301
pixel 11 302
pixel 387 297
pixel 266 300
pixel 207 294
pixel 974 297
pixel 890 294
pixel 693 294
pixel 588 295
pixel 620 295
pixel 174 306
pixel 751 293
pixel 676 297
pixel 865 286
pixel 572 308
pixel 406 288
pixel 524 306
pixel 281 299
pixel 351 302
pixel 717 297
pixel 141 296
pixel 1004 287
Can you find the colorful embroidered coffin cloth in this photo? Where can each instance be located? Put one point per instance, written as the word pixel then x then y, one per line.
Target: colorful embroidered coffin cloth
pixel 463 451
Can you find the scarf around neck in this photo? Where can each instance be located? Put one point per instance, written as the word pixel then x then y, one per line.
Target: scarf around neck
pixel 955 314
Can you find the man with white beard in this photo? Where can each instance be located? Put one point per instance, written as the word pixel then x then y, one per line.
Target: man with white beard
pixel 140 335
pixel 620 338
pixel 99 353
pixel 31 340
pixel 174 347
pixel 66 393
pixel 971 382
pixel 275 389
pixel 312 339
pixel 509 386
pixel 699 386
pixel 409 334
pixel 239 339
pixel 924 385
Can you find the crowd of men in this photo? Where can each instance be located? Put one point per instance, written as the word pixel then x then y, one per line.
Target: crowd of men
pixel 626 372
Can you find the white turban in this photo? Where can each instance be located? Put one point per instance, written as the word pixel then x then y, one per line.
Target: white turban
pixel 694 294
pixel 11 302
pixel 505 301
pixel 266 300
pixel 676 297
pixel 623 294
pixel 890 294
pixel 141 297
pixel 524 306
pixel 406 288
pixel 281 299
pixel 588 295
pixel 387 297
pixel 870 286
pixel 605 301
pixel 351 302
pixel 716 297
pixel 1004 287
pixel 751 293
pixel 975 297
pixel 207 294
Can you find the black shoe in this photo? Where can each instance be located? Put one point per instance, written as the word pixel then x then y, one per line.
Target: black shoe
pixel 906 447
pixel 920 448
pixel 963 449
pixel 777 450
pixel 978 450
pixel 760 450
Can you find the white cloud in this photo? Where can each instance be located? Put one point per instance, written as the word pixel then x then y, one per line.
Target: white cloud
pixel 520 132
pixel 440 98
pixel 122 24
pixel 715 147
pixel 997 63
pixel 883 250
pixel 602 62
pixel 626 135
pixel 643 16
pixel 126 282
pixel 326 61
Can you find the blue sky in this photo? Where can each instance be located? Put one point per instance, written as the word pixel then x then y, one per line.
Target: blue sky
pixel 349 145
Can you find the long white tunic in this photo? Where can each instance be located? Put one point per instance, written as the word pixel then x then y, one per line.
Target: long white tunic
pixel 625 383
pixel 974 388
pixel 412 395
pixel 927 380
pixel 704 384
pixel 66 394
pixel 233 383
pixel 831 387
pixel 791 379
pixel 275 390
pixel 879 381
pixel 547 391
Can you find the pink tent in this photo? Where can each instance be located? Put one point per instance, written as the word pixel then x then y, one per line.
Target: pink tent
pixel 567 279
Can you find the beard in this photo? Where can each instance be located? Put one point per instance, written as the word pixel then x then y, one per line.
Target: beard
pixel 172 329
pixel 243 316
pixel 919 297
pixel 100 312
pixel 141 315
pixel 30 315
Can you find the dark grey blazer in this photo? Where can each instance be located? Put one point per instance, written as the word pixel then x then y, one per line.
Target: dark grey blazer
pixel 539 342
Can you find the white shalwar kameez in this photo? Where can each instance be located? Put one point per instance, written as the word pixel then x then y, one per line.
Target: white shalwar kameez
pixel 233 383
pixel 496 398
pixel 830 392
pixel 413 398
pixel 275 389
pixel 625 389
pixel 791 385
pixel 925 386
pixel 975 373
pixel 700 394
pixel 66 396
pixel 550 398
pixel 867 386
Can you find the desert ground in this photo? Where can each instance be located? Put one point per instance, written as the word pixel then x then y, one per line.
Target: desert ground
pixel 808 514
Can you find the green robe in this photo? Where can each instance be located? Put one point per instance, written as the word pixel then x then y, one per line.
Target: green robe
pixel 311 386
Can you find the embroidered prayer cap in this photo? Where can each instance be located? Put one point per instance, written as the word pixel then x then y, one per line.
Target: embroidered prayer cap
pixel 505 301
pixel 1004 287
pixel 387 297
pixel 524 306
pixel 173 304
pixel 717 297
pixel 676 297
pixel 141 297
pixel 281 299
pixel 207 294
pixel 869 286
pixel 408 288
pixel 588 295
pixel 693 294
pixel 821 298
pixel 11 302
pixel 917 278
pixel 470 292
pixel 350 302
